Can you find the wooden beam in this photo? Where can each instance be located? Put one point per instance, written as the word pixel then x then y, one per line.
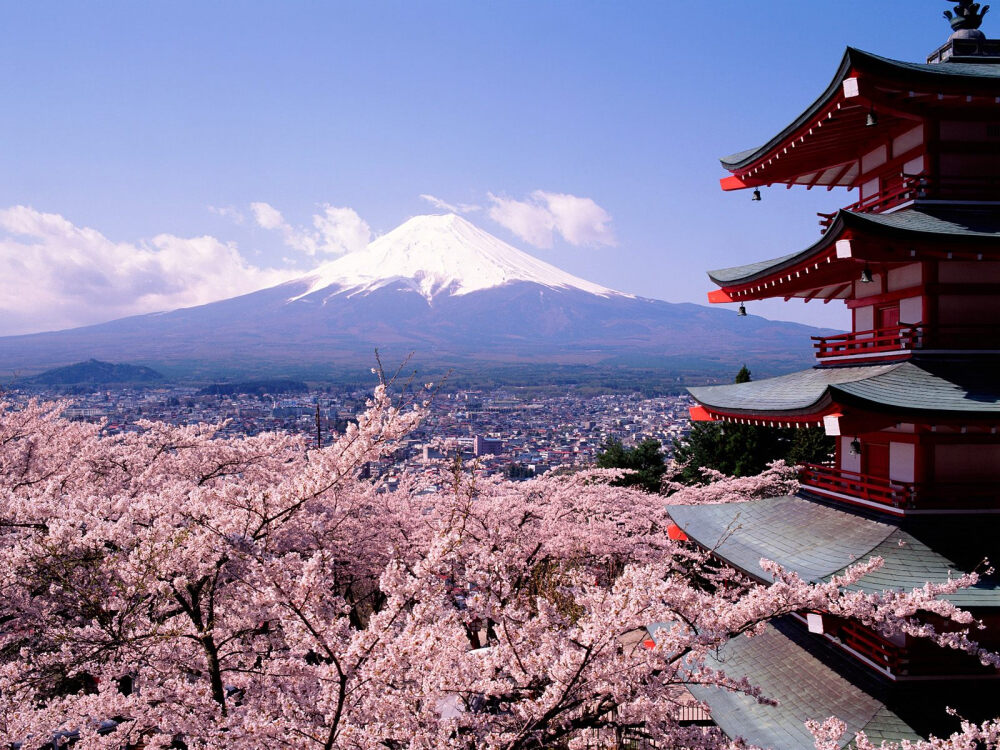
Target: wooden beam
pixel 837 291
pixel 839 176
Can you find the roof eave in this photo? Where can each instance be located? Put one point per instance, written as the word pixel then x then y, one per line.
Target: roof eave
pixel 836 230
pixel 746 158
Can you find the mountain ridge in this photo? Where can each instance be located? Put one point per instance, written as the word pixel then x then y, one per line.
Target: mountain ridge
pixel 442 253
pixel 442 288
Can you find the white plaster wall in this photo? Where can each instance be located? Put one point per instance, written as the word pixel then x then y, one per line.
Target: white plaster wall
pixel 901 461
pixel 911 310
pixel 904 277
pixel 870 188
pixel 864 318
pixel 874 159
pixel 908 140
pixel 849 461
pixel 915 166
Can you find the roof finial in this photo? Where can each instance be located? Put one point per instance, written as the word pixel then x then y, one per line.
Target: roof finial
pixel 967 17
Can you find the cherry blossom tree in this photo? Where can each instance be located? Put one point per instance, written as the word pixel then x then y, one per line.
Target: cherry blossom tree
pixel 171 587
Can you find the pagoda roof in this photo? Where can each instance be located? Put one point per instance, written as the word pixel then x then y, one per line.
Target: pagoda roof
pixel 914 388
pixel 965 225
pixel 836 109
pixel 778 662
pixel 818 542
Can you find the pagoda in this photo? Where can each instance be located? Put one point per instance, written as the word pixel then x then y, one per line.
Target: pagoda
pixel 911 394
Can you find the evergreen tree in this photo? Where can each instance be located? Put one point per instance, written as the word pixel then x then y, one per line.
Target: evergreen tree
pixel 745 450
pixel 645 459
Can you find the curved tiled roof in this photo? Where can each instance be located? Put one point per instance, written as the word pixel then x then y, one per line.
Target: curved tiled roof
pixel 918 388
pixel 966 75
pixel 819 542
pixel 967 224
pixel 804 688
pixel 795 392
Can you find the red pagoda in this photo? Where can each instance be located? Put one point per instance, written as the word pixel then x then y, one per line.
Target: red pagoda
pixel 911 394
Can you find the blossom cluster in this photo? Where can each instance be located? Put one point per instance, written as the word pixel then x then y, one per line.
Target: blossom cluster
pixel 171 587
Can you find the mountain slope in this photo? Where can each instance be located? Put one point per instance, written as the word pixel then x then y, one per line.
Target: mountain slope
pixel 436 286
pixel 441 255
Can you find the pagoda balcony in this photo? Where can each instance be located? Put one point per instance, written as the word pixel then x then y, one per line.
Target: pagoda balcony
pixel 921 188
pixel 899 497
pixel 898 342
pixel 893 496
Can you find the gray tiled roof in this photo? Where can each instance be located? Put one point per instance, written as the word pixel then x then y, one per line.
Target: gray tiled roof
pixel 974 76
pixel 937 387
pixel 968 223
pixel 804 687
pixel 954 221
pixel 913 387
pixel 723 276
pixel 819 542
pixel 786 393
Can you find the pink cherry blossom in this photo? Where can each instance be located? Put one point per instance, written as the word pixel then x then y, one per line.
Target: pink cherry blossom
pixel 171 585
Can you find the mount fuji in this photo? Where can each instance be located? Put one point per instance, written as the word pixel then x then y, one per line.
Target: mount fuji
pixel 437 286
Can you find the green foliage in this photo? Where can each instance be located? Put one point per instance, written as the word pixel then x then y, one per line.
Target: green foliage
pixel 645 460
pixel 518 471
pixel 810 446
pixel 745 450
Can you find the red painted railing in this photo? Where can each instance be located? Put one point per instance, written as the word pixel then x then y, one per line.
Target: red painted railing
pixel 910 188
pixel 873 489
pixel 877 340
pixel 940 495
pixel 922 187
pixel 870 645
pixel 907 337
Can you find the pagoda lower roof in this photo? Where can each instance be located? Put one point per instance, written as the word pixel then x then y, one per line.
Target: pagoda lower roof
pixel 778 662
pixel 833 125
pixel 912 389
pixel 818 542
pixel 959 225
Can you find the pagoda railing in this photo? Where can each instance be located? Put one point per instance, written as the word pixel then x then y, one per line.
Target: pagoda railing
pixel 871 645
pixel 873 341
pixel 937 495
pixel 873 489
pixel 922 187
pixel 905 338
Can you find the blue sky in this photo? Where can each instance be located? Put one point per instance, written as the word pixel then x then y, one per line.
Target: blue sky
pixel 137 137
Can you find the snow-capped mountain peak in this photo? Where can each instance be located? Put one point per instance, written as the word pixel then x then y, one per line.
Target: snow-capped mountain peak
pixel 441 254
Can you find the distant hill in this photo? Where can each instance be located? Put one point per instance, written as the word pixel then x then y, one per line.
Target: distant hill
pixel 97 373
pixel 456 297
pixel 255 388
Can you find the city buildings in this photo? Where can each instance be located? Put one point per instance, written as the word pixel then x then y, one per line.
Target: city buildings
pixel 912 394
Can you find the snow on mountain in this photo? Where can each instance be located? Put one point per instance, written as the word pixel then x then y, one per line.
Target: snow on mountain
pixel 437 287
pixel 440 254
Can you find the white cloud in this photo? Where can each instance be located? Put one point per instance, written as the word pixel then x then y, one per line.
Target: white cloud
pixel 341 230
pixel 228 212
pixel 532 223
pixel 335 231
pixel 461 208
pixel 54 274
pixel 267 215
pixel 537 220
